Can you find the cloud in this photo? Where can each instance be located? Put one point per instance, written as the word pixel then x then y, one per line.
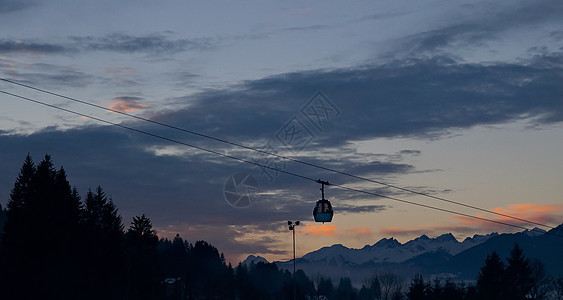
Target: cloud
pixel 117 70
pixel 410 152
pixel 557 35
pixel 320 230
pixel 392 100
pixel 15 5
pixel 383 168
pixel 31 47
pixel 45 74
pixel 419 98
pixel 362 208
pixel 307 28
pixel 157 43
pixel 127 104
pixel 6 63
pixel 152 44
pixel 535 212
pixel 487 27
pixel 329 230
pixel 359 231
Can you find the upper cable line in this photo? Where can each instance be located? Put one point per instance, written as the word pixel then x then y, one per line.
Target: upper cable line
pixel 206 136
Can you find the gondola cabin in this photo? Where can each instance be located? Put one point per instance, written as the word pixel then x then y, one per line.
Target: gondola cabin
pixel 323 209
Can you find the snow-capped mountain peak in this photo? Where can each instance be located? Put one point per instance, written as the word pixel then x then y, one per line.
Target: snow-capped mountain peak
pixel 251 259
pixel 440 256
pixel 534 232
pixel 387 243
pixel 390 250
pixel 446 238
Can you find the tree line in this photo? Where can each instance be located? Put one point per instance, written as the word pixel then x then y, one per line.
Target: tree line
pixel 57 245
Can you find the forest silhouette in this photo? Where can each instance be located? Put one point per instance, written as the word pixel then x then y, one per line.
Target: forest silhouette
pixel 56 245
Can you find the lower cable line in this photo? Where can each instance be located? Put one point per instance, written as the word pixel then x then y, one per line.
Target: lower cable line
pixel 273 154
pixel 154 135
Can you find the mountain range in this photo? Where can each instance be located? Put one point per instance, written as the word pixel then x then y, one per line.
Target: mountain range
pixel 442 257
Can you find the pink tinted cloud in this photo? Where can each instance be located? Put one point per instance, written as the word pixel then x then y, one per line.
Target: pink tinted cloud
pixel 535 212
pixel 358 231
pixel 320 230
pixel 549 214
pixel 334 231
pixel 127 104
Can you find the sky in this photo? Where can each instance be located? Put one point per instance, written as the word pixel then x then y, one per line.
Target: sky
pixel 460 100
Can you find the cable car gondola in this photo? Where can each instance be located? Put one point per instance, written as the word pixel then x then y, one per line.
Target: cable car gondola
pixel 323 209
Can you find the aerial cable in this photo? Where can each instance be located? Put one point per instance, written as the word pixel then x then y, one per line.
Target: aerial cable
pixel 276 155
pixel 440 209
pixel 261 165
pixel 156 135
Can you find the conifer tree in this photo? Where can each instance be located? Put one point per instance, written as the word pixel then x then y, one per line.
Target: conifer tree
pixel 242 281
pixel 102 215
pixel 19 197
pixel 104 252
pixel 22 187
pixel 518 275
pixel 40 235
pixel 209 271
pixel 490 281
pixel 3 217
pixel 141 243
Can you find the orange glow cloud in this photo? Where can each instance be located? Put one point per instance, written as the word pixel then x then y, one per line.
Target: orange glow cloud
pixel 127 104
pixel 540 213
pixel 549 214
pixel 358 230
pixel 528 209
pixel 320 230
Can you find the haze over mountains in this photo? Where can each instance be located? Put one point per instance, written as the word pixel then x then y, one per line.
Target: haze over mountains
pixel 443 256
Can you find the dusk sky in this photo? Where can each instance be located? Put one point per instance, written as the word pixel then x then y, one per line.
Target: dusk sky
pixel 461 100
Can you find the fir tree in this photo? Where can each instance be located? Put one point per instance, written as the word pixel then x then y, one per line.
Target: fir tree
pixel 22 187
pixel 19 197
pixel 3 218
pixel 141 243
pixel 490 283
pixel 104 246
pixel 518 275
pixel 242 282
pixel 40 235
